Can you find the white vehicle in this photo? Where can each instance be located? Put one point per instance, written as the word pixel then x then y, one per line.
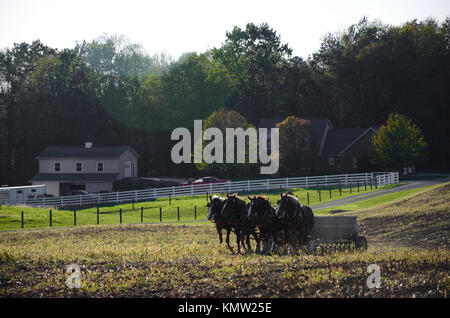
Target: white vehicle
pixel 20 194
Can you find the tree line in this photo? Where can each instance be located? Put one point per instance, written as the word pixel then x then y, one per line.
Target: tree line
pixel 111 92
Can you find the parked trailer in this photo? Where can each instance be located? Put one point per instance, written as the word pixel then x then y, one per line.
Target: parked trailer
pixel 20 194
pixel 336 233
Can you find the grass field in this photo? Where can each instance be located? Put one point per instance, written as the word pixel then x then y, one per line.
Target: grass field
pixel 10 217
pixel 371 202
pixel 408 239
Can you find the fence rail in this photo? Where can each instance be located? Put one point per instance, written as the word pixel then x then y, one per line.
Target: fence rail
pixel 375 178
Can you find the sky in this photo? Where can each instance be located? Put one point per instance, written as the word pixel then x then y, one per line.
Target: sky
pixel 176 27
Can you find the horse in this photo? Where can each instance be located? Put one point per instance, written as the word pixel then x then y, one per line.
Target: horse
pixel 261 212
pixel 215 206
pixel 298 220
pixel 306 239
pixel 235 212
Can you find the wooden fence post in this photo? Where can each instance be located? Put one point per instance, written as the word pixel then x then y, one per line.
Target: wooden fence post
pixel 98 216
pixel 50 218
pixel 74 217
pixel 178 213
pixel 120 213
pixel 160 214
pixel 307 197
pixel 21 219
pixel 195 212
pixel 142 214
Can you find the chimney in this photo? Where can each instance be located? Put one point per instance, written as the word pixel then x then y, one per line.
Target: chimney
pixel 88 144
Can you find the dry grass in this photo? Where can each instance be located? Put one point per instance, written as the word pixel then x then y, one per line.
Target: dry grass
pixel 421 219
pixel 187 261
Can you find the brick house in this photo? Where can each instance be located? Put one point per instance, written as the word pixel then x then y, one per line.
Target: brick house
pixel 332 150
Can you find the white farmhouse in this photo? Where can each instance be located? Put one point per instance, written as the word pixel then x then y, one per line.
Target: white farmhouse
pixel 89 168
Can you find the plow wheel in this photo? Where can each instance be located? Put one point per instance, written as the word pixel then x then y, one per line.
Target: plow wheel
pixel 361 243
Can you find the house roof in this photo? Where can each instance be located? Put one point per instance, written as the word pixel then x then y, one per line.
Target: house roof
pixel 330 142
pixel 318 126
pixel 73 177
pixel 339 139
pixel 82 152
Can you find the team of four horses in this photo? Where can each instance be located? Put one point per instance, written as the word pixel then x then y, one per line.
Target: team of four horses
pixel 289 223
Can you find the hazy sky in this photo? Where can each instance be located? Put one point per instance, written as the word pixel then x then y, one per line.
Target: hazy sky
pixel 196 25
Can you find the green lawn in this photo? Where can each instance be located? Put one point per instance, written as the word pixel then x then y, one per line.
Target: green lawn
pixel 10 217
pixel 374 201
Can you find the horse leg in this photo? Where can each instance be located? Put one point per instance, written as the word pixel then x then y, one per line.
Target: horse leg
pixel 238 241
pixel 293 240
pixel 228 239
pixel 301 240
pixel 219 230
pixel 258 241
pixel 247 239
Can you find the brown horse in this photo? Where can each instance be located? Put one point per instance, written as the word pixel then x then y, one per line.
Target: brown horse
pixel 235 212
pixel 215 206
pixel 307 237
pixel 298 220
pixel 261 213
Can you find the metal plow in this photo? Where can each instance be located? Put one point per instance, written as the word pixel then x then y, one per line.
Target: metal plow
pixel 335 234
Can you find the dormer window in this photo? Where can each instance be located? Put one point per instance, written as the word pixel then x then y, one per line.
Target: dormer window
pixel 100 166
pixel 57 166
pixel 78 167
pixel 331 161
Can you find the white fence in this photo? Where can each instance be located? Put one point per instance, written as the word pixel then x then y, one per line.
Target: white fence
pixel 374 178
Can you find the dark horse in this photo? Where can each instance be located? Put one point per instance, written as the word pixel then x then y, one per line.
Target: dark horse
pixel 298 220
pixel 215 206
pixel 261 213
pixel 235 212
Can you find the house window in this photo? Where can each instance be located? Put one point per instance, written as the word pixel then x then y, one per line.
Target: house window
pixel 57 166
pixel 331 161
pixel 78 166
pixel 355 163
pixel 100 166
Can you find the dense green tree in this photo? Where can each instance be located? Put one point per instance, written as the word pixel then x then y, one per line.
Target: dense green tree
pixel 253 58
pixel 399 143
pixel 295 144
pixel 223 119
pixel 112 92
pixel 113 54
pixel 18 110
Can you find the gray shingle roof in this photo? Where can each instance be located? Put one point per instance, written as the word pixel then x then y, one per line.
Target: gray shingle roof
pixel 338 139
pixel 71 177
pixel 82 152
